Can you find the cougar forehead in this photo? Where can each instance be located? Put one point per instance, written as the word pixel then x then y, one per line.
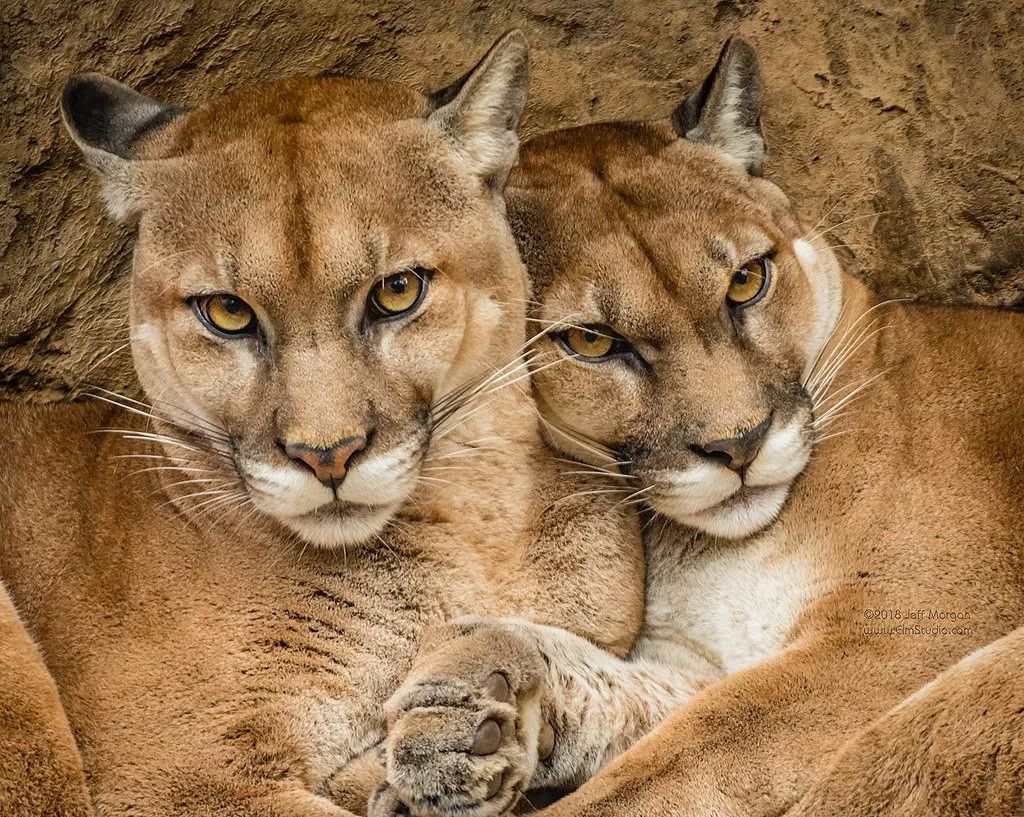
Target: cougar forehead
pixel 631 228
pixel 305 163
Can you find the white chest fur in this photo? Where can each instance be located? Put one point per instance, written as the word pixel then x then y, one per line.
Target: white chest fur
pixel 721 607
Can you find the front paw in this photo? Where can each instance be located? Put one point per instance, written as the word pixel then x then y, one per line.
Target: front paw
pixel 464 729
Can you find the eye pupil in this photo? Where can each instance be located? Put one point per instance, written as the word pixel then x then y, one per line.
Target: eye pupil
pixel 591 337
pixel 399 284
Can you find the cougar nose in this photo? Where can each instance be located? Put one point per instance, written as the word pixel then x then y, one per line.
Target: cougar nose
pixel 328 464
pixel 735 452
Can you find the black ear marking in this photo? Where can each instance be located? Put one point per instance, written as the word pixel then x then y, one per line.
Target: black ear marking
pixel 726 110
pixel 481 110
pixel 103 115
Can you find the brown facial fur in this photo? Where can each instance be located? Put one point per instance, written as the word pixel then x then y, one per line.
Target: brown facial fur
pixel 311 191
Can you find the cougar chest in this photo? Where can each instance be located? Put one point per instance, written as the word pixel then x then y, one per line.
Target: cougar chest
pixel 720 606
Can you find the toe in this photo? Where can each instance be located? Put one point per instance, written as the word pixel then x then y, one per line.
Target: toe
pixel 487 739
pixel 494 786
pixel 497 687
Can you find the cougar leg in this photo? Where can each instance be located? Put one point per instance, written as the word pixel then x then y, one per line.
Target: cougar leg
pixel 40 767
pixel 752 743
pixel 956 746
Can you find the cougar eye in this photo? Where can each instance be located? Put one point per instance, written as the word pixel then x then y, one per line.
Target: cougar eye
pixel 589 341
pixel 593 342
pixel 749 282
pixel 226 314
pixel 397 294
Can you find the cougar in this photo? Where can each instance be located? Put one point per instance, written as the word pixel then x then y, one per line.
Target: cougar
pixel 327 314
pixel 831 485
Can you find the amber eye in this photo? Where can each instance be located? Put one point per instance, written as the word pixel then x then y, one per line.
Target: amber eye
pixel 226 314
pixel 397 294
pixel 591 341
pixel 749 282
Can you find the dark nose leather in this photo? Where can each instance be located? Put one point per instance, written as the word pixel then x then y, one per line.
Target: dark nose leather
pixel 328 464
pixel 735 452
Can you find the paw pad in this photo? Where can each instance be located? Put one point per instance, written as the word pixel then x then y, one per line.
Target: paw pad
pixel 495 785
pixel 497 687
pixel 487 739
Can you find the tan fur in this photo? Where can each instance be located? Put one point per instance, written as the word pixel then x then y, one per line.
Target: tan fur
pixel 953 748
pixel 915 509
pixel 40 769
pixel 211 657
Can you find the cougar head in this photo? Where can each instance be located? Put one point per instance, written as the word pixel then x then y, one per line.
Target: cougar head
pixel 685 306
pixel 318 262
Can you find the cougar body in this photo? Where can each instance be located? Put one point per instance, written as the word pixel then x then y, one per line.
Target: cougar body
pixel 230 577
pixel 832 488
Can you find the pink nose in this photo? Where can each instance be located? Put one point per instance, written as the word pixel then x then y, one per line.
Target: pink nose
pixel 328 464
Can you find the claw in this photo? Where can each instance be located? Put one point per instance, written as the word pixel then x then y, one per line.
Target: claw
pixel 546 741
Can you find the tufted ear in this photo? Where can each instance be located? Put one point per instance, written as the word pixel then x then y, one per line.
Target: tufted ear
pixel 480 112
pixel 725 111
pixel 107 120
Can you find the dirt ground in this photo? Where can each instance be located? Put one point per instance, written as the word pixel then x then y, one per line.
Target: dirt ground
pixel 898 126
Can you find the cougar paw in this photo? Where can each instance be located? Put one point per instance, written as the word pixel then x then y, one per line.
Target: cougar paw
pixel 463 740
pixel 385 802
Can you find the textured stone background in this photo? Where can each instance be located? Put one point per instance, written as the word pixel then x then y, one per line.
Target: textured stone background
pixel 896 124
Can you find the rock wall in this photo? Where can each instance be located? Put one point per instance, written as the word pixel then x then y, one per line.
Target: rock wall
pixel 898 127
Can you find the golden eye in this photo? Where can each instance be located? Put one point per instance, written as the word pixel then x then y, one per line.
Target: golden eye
pixel 227 314
pixel 396 294
pixel 590 341
pixel 749 282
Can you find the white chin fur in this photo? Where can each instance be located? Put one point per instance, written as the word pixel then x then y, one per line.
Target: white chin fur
pixel 353 529
pixel 715 500
pixel 783 456
pixel 750 511
pixel 701 486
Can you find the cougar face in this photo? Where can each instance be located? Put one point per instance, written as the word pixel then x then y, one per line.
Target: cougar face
pixel 686 306
pixel 318 262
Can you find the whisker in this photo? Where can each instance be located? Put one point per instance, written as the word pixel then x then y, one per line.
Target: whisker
pixel 146 410
pixel 819 440
pixel 635 497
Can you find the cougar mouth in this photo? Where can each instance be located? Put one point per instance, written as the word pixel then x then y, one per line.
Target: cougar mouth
pixel 349 513
pixel 340 524
pixel 722 502
pixel 744 513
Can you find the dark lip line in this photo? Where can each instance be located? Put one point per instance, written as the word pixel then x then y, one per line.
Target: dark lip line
pixel 739 495
pixel 339 507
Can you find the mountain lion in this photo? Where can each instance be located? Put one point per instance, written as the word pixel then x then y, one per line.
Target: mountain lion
pixel 327 318
pixel 833 485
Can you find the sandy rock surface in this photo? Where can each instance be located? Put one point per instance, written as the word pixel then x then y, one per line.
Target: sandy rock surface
pixel 897 126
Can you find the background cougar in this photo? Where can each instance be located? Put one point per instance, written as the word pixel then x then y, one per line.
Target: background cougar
pixel 833 483
pixel 327 313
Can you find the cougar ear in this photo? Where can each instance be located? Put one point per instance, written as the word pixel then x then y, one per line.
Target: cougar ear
pixel 480 112
pixel 107 120
pixel 726 110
